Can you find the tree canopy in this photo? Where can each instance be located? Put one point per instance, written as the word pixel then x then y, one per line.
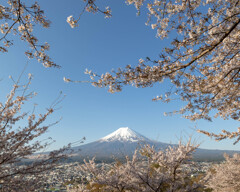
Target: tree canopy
pixel 202 60
pixel 149 170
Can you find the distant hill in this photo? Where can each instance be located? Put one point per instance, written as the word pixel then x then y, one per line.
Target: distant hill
pixel 124 141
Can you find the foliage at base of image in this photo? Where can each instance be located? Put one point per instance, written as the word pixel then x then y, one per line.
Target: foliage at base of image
pixel 226 176
pixel 148 170
pixel 166 170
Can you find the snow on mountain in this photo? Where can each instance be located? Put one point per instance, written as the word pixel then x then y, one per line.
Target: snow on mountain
pixel 120 143
pixel 124 134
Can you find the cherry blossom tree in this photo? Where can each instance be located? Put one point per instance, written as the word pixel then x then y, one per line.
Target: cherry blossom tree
pixel 225 176
pixel 21 167
pixel 149 170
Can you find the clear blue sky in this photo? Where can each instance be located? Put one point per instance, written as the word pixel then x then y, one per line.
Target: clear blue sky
pixel 101 45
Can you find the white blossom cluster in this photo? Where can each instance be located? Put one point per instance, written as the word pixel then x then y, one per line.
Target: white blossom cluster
pixel 89 7
pixel 72 22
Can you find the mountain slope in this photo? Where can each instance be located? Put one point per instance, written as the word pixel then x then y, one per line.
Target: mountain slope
pixel 124 141
pixel 120 143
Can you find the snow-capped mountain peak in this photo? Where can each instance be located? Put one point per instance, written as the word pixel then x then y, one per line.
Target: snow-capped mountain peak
pixel 124 134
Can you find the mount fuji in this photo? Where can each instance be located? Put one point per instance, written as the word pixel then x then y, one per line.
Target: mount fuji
pixel 118 144
pixel 124 134
pixel 124 141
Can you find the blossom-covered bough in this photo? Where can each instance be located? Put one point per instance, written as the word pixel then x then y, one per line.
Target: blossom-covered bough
pixel 19 19
pixel 22 165
pixel 202 60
